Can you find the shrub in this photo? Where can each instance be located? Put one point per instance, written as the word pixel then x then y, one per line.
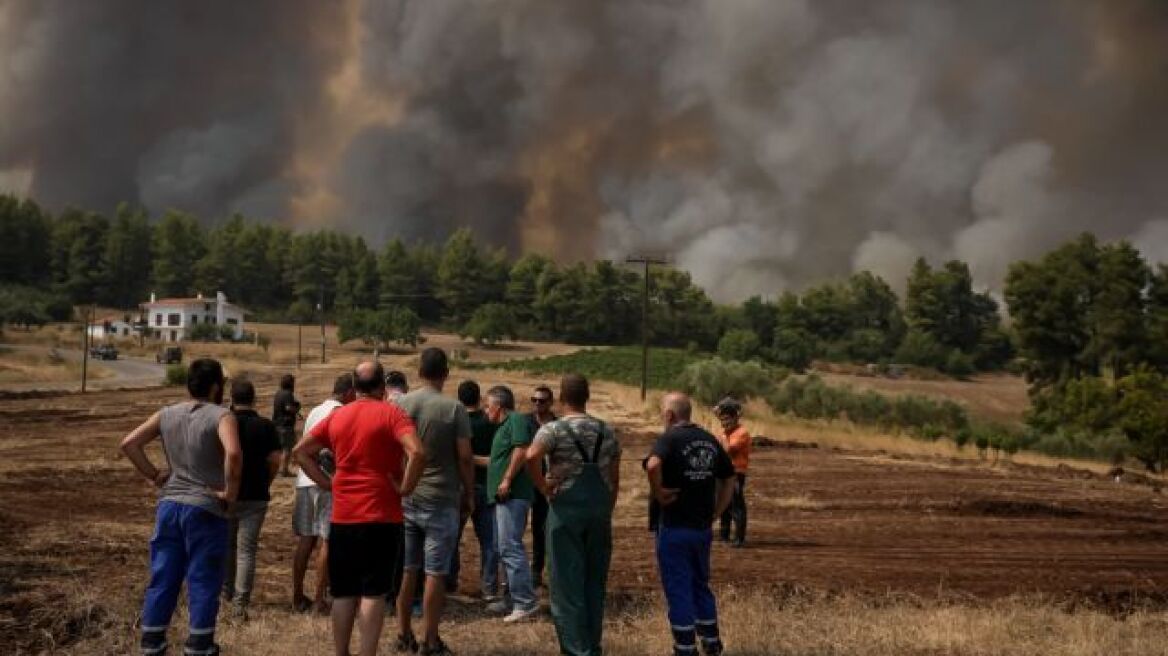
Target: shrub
pixel 203 332
pixel 739 344
pixel 922 350
pixel 793 349
pixel 176 374
pixel 227 333
pixel 620 364
pixel 264 342
pixel 811 398
pixel 709 381
pixel 959 365
pixel 489 324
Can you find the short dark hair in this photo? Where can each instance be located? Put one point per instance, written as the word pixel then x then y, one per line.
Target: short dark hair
pixel 372 383
pixel 544 389
pixel 288 382
pixel 469 393
pixel 502 395
pixel 433 364
pixel 574 390
pixel 343 385
pixel 202 375
pixel 396 379
pixel 242 392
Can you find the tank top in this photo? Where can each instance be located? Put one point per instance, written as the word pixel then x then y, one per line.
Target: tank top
pixel 190 439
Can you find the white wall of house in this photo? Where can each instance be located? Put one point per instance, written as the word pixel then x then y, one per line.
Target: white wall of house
pixel 172 319
pixel 117 330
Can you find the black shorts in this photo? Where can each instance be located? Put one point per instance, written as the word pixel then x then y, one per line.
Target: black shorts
pixel 362 558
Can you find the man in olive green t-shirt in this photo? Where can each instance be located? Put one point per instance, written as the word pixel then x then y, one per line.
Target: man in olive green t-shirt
pixel 511 487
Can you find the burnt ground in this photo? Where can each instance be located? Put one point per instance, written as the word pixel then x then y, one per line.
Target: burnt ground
pixel 75 519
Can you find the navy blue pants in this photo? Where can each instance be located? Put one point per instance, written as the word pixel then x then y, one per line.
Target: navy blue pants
pixel 683 558
pixel 189 544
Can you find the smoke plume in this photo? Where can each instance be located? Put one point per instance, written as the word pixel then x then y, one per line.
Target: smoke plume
pixel 762 144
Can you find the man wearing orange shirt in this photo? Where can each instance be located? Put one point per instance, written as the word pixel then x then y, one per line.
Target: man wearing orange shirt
pixel 736 441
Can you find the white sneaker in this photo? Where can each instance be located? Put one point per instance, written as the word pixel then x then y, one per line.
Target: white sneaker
pixel 520 615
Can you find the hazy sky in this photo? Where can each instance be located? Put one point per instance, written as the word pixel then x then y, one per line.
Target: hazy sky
pixel 764 144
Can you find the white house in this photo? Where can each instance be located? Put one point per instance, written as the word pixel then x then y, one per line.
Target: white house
pixel 111 328
pixel 171 318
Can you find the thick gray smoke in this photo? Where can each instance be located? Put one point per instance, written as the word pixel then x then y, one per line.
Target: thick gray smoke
pixel 764 144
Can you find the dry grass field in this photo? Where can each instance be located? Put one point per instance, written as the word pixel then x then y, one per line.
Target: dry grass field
pixel 864 544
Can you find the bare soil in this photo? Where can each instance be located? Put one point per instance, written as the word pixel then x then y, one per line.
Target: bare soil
pixel 75 519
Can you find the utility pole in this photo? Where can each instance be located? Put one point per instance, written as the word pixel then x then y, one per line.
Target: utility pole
pixel 320 310
pixel 86 314
pixel 645 260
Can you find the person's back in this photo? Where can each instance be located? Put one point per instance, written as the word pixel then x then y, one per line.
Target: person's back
pixel 440 421
pixel 363 439
pixel 190 440
pixel 200 440
pixel 692 463
pixel 582 486
pixel 258 439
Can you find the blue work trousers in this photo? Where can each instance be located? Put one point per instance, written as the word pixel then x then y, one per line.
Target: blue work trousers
pixel 683 558
pixel 189 544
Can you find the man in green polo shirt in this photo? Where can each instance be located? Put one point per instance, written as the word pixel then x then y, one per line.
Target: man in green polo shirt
pixel 511 488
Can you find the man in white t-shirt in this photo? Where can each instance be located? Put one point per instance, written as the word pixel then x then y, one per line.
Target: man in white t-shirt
pixel 312 508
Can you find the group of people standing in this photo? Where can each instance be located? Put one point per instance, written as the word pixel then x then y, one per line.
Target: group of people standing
pixel 388 481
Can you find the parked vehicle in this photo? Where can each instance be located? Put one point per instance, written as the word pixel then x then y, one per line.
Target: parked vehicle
pixel 104 352
pixel 169 355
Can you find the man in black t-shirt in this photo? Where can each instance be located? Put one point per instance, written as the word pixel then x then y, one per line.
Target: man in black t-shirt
pixel 692 479
pixel 285 412
pixel 261 461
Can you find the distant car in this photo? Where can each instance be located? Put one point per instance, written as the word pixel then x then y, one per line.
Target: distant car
pixel 104 352
pixel 169 355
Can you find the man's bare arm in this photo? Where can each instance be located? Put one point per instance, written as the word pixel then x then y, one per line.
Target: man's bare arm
pixel 466 472
pixel 232 456
pixel 305 453
pixel 416 453
pixel 725 496
pixel 614 476
pixel 133 445
pixel 275 458
pixel 535 455
pixel 662 494
pixel 518 461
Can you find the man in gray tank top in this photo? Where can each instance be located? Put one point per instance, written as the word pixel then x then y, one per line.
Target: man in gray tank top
pixel 200 439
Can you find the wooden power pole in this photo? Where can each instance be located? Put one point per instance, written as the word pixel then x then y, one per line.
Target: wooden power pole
pixel 646 260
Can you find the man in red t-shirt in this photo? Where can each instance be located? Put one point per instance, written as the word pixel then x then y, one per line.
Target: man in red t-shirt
pixel 368 439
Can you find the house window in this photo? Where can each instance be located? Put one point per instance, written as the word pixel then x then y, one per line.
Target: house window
pixel 233 322
pixel 194 319
pixel 174 319
pixel 206 307
pixel 158 320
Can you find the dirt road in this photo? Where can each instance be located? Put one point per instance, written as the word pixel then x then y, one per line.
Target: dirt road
pixel 123 373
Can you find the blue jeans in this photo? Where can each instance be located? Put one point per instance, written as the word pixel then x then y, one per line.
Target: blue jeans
pixel 683 559
pixel 511 523
pixel 483 520
pixel 431 534
pixel 189 544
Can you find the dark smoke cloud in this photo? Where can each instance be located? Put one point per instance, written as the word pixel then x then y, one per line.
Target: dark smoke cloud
pixel 765 144
pixel 191 105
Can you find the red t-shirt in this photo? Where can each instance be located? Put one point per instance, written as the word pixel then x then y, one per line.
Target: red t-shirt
pixel 365 438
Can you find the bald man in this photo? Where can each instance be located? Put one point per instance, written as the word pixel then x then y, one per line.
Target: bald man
pixel 692 478
pixel 368 438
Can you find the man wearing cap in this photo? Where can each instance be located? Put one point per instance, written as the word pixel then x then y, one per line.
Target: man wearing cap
pixel 736 441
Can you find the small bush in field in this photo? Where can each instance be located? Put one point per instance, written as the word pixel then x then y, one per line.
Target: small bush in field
pixel 176 374
pixel 709 381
